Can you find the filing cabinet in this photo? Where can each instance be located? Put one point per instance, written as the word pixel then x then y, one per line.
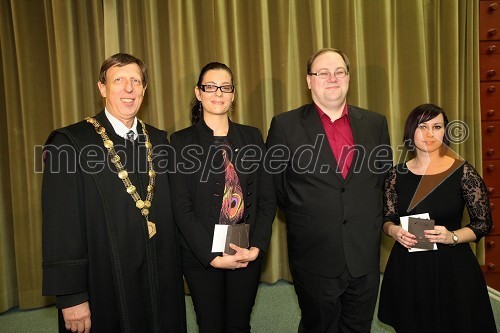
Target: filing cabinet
pixel 490 137
pixel 492 245
pixel 490 175
pixel 489 66
pixel 495 211
pixel 489 16
pixel 490 100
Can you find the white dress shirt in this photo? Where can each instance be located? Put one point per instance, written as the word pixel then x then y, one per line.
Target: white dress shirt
pixel 119 127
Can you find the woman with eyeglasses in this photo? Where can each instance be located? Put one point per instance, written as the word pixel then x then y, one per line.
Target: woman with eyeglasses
pixel 219 180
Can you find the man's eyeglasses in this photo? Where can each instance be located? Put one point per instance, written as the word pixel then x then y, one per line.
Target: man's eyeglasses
pixel 339 73
pixel 210 88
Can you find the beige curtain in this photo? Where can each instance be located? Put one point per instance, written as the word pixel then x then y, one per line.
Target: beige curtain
pixel 403 53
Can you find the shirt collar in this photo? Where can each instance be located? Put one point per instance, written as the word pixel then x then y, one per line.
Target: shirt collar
pixel 119 127
pixel 322 114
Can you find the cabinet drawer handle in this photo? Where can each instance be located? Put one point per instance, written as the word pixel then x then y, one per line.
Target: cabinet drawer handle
pixel 492 32
pixel 491 72
pixel 492 7
pixel 491 129
pixel 492 206
pixel 491 167
pixel 490 152
pixel 492 266
pixel 490 113
pixel 491 89
pixel 492 49
pixel 491 190
pixel 491 244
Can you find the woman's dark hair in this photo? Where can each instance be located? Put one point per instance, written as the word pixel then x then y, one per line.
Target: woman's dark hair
pixel 196 106
pixel 421 114
pixel 120 60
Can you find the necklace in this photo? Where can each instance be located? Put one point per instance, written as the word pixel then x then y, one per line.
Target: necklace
pixel 142 205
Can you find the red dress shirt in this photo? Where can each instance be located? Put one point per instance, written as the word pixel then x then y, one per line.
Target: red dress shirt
pixel 339 134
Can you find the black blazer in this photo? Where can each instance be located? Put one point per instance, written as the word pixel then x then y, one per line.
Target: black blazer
pixel 198 186
pixel 331 222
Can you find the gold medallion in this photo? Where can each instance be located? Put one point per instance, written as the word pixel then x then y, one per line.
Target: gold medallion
pixel 145 204
pixel 122 174
pixel 151 229
pixel 131 189
pixel 108 143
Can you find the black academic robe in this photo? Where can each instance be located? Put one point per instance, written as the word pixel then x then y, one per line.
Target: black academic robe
pixel 95 241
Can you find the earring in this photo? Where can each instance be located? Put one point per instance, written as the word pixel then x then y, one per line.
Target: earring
pixel 200 109
pixel 231 109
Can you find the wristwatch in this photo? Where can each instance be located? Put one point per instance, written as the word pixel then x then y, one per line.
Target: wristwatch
pixel 454 237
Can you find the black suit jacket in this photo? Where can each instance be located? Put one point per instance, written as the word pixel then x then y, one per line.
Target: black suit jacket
pixel 198 187
pixel 331 221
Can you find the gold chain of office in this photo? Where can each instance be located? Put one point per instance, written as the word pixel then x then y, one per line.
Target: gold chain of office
pixel 142 205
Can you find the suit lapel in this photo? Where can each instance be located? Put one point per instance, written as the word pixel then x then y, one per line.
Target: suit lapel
pixel 358 134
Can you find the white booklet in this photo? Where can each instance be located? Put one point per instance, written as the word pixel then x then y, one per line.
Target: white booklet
pixel 224 234
pixel 404 224
pixel 219 241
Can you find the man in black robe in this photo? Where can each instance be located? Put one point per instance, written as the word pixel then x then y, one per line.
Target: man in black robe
pixel 110 255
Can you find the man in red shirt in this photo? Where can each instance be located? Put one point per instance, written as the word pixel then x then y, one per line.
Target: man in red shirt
pixel 332 200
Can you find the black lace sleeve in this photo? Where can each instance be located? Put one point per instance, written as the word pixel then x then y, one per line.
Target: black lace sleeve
pixel 391 197
pixel 477 202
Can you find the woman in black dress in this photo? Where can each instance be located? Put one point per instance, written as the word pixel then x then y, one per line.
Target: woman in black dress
pixel 440 290
pixel 220 179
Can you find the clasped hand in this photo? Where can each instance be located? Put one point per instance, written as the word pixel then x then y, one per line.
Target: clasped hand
pixel 238 260
pixel 438 235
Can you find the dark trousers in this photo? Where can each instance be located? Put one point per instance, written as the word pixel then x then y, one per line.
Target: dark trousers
pixel 223 299
pixel 341 304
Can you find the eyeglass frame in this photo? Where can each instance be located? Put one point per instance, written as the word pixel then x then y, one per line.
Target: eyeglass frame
pixel 203 88
pixel 317 74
